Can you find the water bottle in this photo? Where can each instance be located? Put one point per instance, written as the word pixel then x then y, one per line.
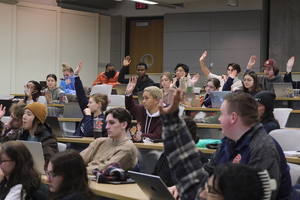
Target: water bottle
pixel 63 84
pixel 98 127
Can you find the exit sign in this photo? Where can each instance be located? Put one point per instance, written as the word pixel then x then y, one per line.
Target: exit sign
pixel 141 6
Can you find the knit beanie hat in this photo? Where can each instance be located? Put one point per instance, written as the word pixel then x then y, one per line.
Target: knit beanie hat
pixel 39 110
pixel 266 98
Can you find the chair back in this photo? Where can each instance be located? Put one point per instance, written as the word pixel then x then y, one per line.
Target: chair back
pixel 103 89
pixel 116 100
pixel 282 115
pixel 295 173
pixel 288 139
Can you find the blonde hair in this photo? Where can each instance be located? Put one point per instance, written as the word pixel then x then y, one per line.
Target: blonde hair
pixel 168 75
pixel 67 68
pixel 101 98
pixel 154 91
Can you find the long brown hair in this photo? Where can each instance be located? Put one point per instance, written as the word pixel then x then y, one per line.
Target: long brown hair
pixel 24 172
pixel 70 165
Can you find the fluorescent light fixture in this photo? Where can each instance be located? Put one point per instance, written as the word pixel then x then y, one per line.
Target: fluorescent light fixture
pixel 233 2
pixel 145 1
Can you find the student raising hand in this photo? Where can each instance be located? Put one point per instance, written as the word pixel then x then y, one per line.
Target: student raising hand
pixel 131 85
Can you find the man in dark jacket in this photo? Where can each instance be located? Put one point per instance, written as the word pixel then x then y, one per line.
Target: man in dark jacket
pixel 143 80
pixel 245 142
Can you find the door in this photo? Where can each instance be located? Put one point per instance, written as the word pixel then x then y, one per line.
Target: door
pixel 145 43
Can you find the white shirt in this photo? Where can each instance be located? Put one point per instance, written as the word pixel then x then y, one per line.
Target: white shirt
pixel 15 193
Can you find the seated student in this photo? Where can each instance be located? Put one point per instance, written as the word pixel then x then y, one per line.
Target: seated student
pixel 271 73
pixel 162 166
pixel 143 80
pixel 244 141
pixel 235 82
pixel 33 93
pixel 147 114
pixel 212 84
pixel 92 108
pixel 67 177
pixel 109 76
pixel 52 88
pixel 288 75
pixel 250 83
pixel 19 178
pixel 265 101
pixel 166 82
pixel 68 74
pixel 182 78
pixel 35 129
pixel 13 129
pixel 116 148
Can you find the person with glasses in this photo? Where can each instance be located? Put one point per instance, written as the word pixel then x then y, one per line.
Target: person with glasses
pixel 67 177
pixel 232 81
pixel 19 178
pixel 182 78
pixel 250 83
pixel 212 84
pixel 245 142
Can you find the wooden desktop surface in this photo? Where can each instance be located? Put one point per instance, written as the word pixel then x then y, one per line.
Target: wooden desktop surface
pixel 122 191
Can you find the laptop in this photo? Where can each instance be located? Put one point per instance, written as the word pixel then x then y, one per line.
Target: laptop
pixel 43 84
pixel 191 100
pixel 54 123
pixel 217 98
pixel 121 89
pixel 283 89
pixel 152 186
pixel 37 153
pixel 6 103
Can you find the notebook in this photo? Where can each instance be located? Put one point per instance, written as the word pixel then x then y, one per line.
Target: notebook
pixel 121 89
pixel 217 98
pixel 152 186
pixel 191 100
pixel 292 153
pixel 283 89
pixel 54 123
pixel 36 151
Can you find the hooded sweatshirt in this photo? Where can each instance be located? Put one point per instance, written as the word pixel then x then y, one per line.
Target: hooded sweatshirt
pixel 267 84
pixel 151 124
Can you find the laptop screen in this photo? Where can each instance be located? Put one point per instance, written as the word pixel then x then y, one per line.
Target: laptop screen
pixel 217 98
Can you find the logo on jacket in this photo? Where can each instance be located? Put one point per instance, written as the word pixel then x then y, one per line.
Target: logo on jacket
pixel 237 159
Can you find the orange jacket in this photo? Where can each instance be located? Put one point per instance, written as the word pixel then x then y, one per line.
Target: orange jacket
pixel 103 79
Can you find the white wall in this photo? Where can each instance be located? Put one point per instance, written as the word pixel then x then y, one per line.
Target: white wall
pixel 127 8
pixel 36 39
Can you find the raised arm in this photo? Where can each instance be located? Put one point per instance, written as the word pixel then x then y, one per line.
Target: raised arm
pixel 82 99
pixel 289 65
pixel 204 69
pixel 251 62
pixel 121 78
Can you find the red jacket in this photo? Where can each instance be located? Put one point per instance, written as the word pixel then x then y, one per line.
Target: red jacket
pixel 103 79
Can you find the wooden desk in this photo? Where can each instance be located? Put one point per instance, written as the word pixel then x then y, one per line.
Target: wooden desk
pixel 204 125
pixel 69 119
pixel 123 191
pixel 295 160
pixel 56 105
pixel 84 140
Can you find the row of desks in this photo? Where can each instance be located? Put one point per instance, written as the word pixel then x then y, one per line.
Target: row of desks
pixel 157 146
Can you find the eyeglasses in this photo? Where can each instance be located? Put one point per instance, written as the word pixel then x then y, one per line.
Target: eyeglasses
pixel 247 79
pixel 2 161
pixel 210 192
pixel 50 174
pixel 230 70
pixel 179 71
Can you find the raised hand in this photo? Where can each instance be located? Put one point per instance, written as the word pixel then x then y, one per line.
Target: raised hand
pixel 126 61
pixel 224 77
pixel 2 111
pixel 232 74
pixel 87 111
pixel 290 64
pixel 177 98
pixel 131 85
pixel 204 54
pixel 251 62
pixel 78 69
pixel 195 78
